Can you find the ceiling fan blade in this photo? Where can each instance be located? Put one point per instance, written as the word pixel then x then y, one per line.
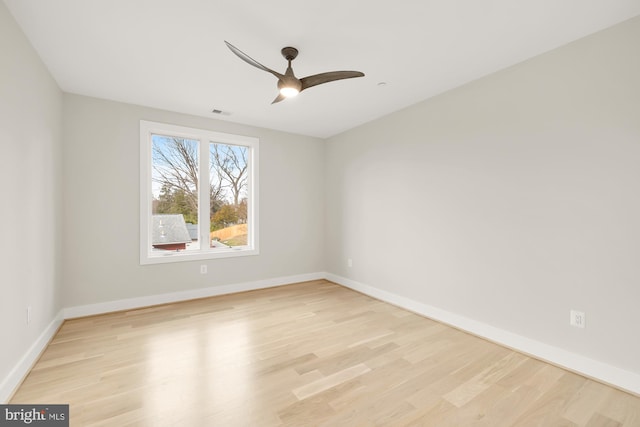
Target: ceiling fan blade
pixel 249 60
pixel 318 79
pixel 279 98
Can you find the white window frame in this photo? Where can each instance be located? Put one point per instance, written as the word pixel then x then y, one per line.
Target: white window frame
pixel 204 137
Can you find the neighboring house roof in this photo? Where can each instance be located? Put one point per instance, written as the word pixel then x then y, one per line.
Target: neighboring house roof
pixel 169 229
pixel 193 231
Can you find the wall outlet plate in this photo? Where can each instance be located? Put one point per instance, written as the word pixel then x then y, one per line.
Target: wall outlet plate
pixel 577 319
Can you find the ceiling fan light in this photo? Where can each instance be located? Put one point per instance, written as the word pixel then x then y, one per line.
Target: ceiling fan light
pixel 289 92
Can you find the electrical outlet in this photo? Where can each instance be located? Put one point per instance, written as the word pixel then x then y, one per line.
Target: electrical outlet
pixel 577 319
pixel 349 263
pixel 28 315
pixel 203 269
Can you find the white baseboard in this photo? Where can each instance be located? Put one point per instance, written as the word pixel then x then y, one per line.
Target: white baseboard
pixel 603 372
pixel 146 301
pixel 22 368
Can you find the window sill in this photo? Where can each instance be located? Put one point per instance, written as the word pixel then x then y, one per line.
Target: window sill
pixel 169 257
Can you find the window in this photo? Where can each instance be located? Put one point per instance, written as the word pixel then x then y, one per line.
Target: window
pixel 182 220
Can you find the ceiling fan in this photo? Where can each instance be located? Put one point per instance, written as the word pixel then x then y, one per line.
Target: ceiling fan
pixel 288 84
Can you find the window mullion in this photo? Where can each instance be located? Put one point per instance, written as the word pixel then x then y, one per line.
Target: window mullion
pixel 204 195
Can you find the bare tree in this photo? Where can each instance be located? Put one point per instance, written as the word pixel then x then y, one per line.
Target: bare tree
pixel 231 165
pixel 216 192
pixel 175 163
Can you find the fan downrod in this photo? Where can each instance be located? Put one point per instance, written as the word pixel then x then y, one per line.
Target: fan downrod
pixel 289 53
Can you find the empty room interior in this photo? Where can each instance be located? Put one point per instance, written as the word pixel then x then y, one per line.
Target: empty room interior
pixel 442 228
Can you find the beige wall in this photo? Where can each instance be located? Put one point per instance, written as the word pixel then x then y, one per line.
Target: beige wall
pixel 510 200
pixel 101 202
pixel 30 211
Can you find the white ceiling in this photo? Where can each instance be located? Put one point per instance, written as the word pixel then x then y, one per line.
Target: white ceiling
pixel 170 54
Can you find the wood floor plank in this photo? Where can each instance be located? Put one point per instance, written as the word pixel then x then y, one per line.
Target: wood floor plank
pixel 484 380
pixel 330 381
pixel 308 354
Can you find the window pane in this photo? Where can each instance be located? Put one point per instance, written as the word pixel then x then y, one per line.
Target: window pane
pixel 175 194
pixel 228 173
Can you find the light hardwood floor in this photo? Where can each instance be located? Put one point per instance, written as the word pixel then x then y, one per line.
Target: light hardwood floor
pixel 307 354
